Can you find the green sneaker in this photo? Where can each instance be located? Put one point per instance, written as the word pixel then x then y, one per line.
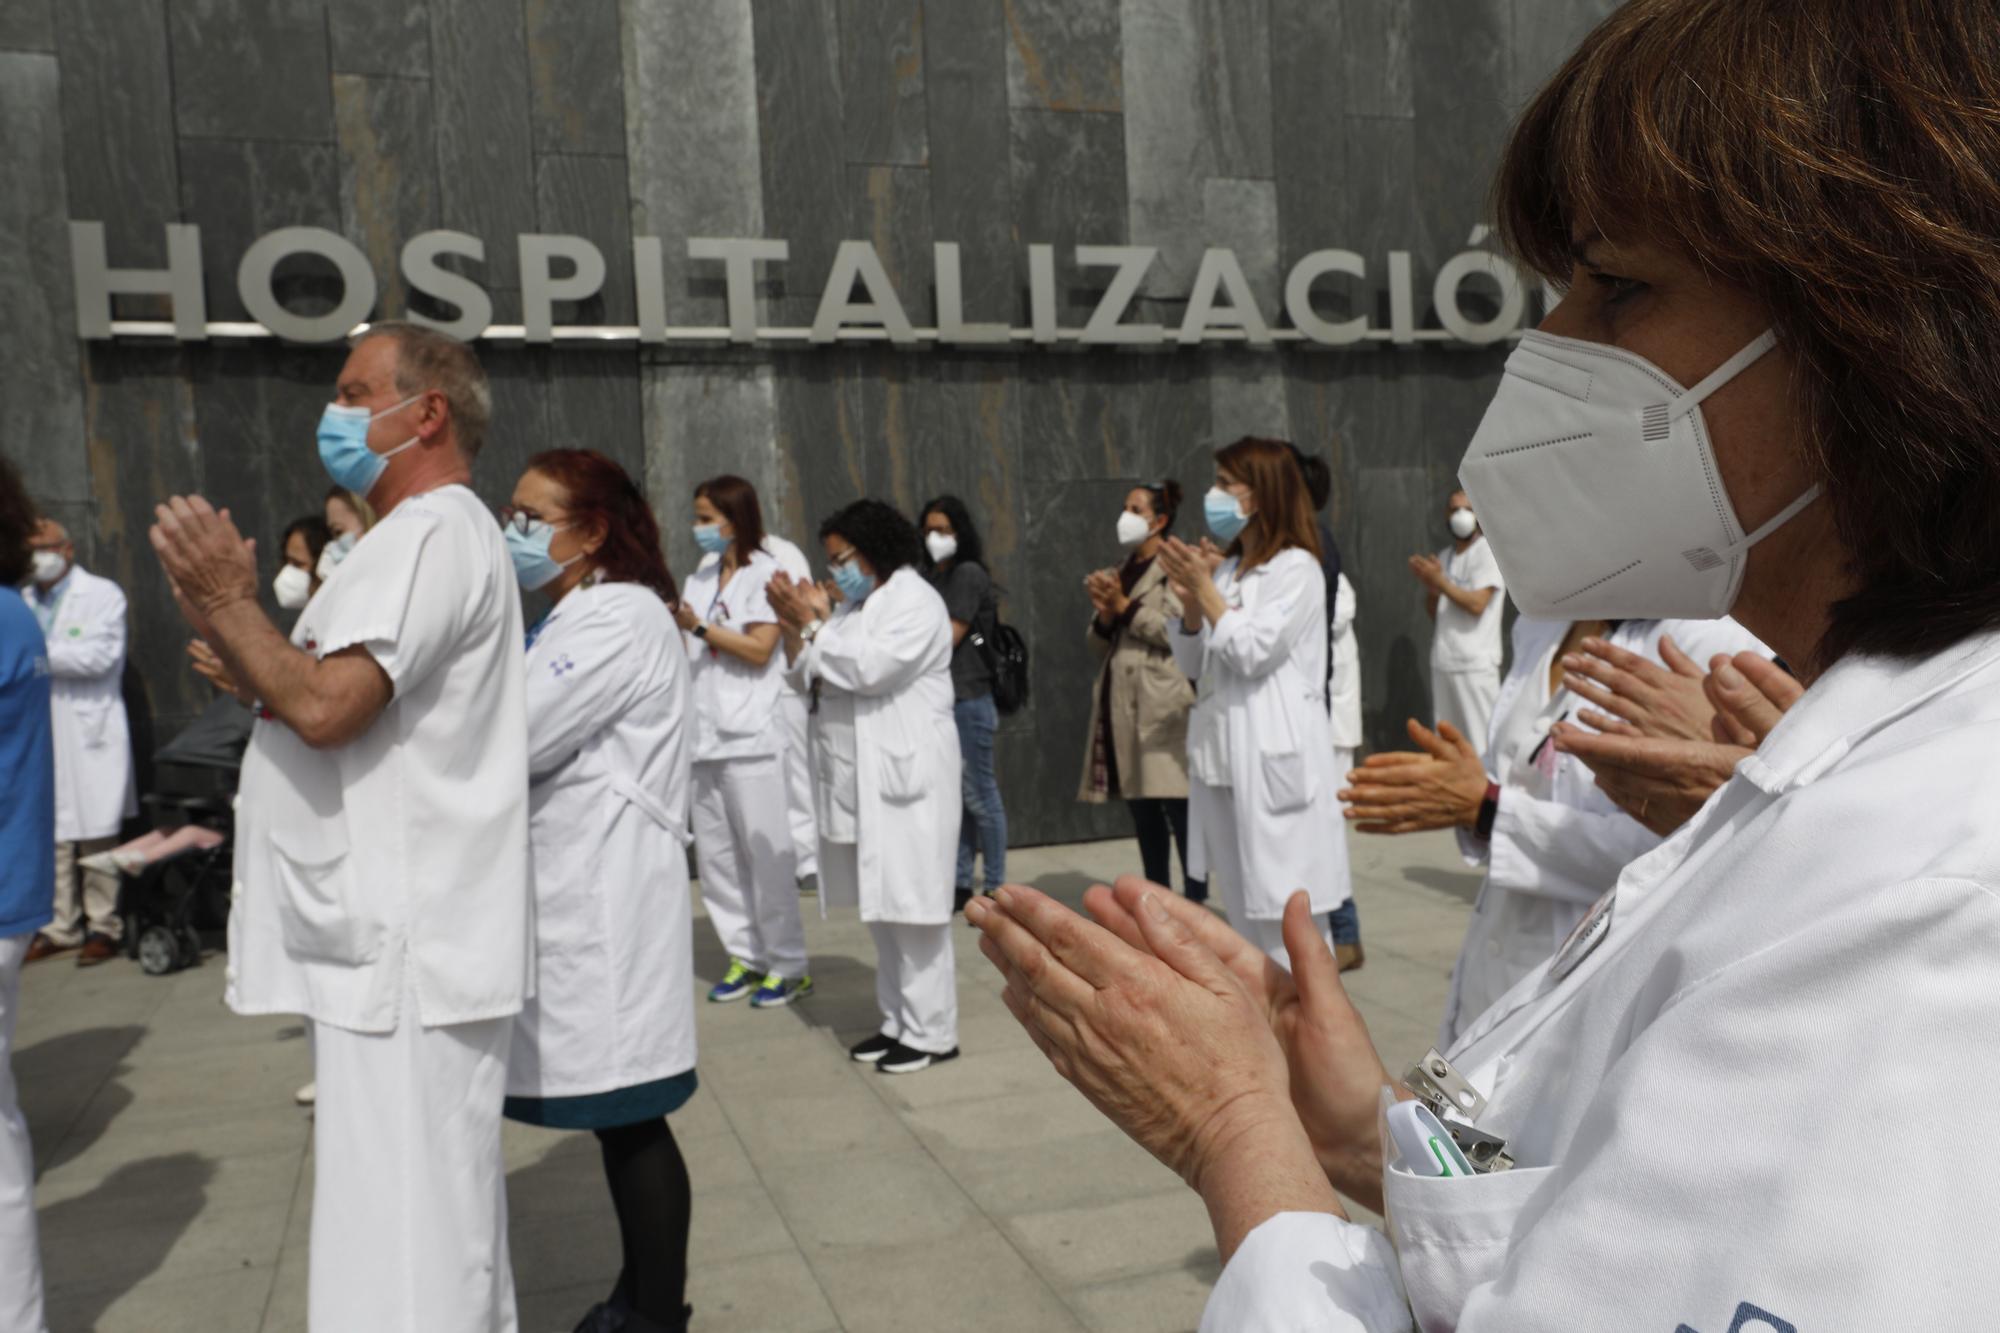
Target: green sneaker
pixel 777 992
pixel 736 983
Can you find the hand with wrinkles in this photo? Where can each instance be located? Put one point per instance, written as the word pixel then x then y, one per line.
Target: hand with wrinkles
pixel 1660 783
pixel 1750 693
pixel 1441 785
pixel 1634 696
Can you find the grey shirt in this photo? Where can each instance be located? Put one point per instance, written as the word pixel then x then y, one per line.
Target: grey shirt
pixel 968 598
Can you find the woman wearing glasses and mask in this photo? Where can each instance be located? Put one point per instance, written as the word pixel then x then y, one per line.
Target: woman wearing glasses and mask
pixel 742 832
pixel 607 1041
pixel 878 669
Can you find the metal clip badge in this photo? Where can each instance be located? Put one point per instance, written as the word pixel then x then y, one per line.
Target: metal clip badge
pixel 1456 1104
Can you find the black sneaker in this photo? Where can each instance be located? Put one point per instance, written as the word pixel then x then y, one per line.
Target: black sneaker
pixel 908 1060
pixel 959 898
pixel 868 1052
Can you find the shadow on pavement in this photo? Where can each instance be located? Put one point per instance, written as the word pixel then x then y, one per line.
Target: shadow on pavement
pixel 1465 888
pixel 61 1076
pixel 101 1245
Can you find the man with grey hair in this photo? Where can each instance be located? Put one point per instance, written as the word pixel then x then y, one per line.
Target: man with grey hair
pixel 382 838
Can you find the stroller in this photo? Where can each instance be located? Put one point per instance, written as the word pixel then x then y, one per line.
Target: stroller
pixel 175 894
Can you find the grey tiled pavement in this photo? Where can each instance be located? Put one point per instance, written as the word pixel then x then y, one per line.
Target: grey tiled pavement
pixel 176 1181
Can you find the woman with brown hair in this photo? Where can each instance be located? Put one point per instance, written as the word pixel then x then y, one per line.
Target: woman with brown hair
pixel 1263 814
pixel 1739 1095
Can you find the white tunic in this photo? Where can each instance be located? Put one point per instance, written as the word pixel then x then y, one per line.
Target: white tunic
pixel 1258 737
pixel 407 847
pixel 93 742
pixel 892 657
pixel 608 755
pixel 1558 841
pixel 1345 713
pixel 1758 1097
pixel 1463 641
pixel 735 703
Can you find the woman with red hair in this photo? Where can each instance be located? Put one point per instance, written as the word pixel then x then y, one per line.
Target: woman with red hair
pixel 607 1041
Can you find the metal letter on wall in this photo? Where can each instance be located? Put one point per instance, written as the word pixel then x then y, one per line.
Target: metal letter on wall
pixel 96 281
pixel 541 289
pixel 1513 296
pixel 837 306
pixel 1105 324
pixel 952 327
pixel 1218 270
pixel 423 272
pixel 1298 297
pixel 260 263
pixel 739 273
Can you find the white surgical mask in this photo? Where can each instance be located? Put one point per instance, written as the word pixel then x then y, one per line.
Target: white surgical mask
pixel 1463 523
pixel 1597 486
pixel 292 587
pixel 1133 529
pixel 942 546
pixel 49 567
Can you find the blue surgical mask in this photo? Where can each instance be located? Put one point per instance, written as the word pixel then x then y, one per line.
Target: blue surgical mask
pixel 1224 512
pixel 343 445
pixel 533 565
pixel 708 536
pixel 855 582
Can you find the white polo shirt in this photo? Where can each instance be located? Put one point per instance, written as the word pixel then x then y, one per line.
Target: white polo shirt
pixel 1463 641
pixel 735 704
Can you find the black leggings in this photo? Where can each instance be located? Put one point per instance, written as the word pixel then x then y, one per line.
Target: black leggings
pixel 650 1191
pixel 1160 823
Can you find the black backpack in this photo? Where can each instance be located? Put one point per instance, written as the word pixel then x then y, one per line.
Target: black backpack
pixel 1006 654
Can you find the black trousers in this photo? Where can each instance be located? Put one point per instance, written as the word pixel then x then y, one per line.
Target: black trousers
pixel 1161 823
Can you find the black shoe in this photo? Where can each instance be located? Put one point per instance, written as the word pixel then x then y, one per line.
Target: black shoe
pixel 959 898
pixel 868 1052
pixel 1197 893
pixel 908 1060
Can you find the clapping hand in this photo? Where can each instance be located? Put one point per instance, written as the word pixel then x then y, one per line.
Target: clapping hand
pixel 1638 697
pixel 1429 571
pixel 211 668
pixel 1440 785
pixel 1659 782
pixel 797 603
pixel 208 562
pixel 1189 569
pixel 1750 693
pixel 1107 594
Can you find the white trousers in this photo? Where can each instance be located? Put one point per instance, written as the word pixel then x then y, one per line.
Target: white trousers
pixel 792 719
pixel 749 875
pixel 1226 874
pixel 90 906
pixel 916 970
pixel 20 1254
pixel 1465 699
pixel 409 1219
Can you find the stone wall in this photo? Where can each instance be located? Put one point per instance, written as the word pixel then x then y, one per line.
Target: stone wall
pixel 1274 127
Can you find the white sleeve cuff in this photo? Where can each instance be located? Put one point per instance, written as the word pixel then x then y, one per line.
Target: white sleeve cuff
pixel 1309 1271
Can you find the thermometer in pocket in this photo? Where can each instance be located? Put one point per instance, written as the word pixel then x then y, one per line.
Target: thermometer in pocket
pixel 1425 1145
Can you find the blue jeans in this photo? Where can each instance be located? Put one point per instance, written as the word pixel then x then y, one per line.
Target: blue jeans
pixel 982 830
pixel 1345 923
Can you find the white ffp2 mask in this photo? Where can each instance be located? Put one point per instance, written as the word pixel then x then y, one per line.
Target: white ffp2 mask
pixel 1596 484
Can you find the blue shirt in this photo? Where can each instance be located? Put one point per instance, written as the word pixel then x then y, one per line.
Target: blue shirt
pixel 27 757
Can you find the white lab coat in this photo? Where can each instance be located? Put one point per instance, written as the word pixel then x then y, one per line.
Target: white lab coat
pixel 1260 707
pixel 1345 714
pixel 893 655
pixel 406 849
pixel 1760 1091
pixel 1558 841
pixel 93 740
pixel 608 760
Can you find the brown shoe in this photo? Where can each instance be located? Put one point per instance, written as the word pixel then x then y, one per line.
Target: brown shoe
pixel 1349 956
pixel 97 949
pixel 42 947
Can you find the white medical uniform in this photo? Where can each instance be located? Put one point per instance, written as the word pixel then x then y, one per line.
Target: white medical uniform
pixel 608 755
pixel 1466 649
pixel 1344 718
pixel 1756 1098
pixel 20 1252
pixel 886 750
pixel 1263 811
pixel 84 622
pixel 1558 841
pixel 383 891
pixel 792 711
pixel 742 833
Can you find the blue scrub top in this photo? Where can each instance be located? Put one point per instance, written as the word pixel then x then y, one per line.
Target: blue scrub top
pixel 27 757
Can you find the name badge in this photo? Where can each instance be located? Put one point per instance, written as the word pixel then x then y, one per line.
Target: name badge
pixel 1589 933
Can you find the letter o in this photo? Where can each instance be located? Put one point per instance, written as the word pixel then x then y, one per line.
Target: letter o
pixel 1513 296
pixel 260 262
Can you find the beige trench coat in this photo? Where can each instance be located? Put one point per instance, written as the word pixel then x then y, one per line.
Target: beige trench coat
pixel 1150 699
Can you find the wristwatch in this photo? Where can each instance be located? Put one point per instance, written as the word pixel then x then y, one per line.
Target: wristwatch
pixel 812 629
pixel 700 630
pixel 1489 810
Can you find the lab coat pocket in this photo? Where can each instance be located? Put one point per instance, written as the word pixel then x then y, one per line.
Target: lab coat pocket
pixel 1454 1233
pixel 902 776
pixel 1287 781
pixel 319 913
pixel 93 721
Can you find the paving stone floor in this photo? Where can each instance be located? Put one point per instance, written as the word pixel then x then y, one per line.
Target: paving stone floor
pixel 176 1175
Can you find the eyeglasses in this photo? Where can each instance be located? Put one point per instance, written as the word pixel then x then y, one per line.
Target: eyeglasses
pixel 523 521
pixel 842 560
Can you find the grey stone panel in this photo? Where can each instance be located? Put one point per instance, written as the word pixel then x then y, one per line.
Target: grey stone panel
pixel 891 207
pixel 41 402
pixel 1462 117
pixel 1197 104
pixel 251 69
pixel 1394 521
pixel 593 399
pixel 822 460
pixel 971 201
pixel 1309 129
pixel 585 196
pixel 1379 77
pixel 1069 189
pixel 574 69
pixel 1382 212
pixel 703 418
pixel 1247 388
pixel 1064 55
pixel 1544 33
pixel 800 125
pixel 520 426
pixel 1458 384
pixel 238 189
pixel 484 139
pixel 388 172
pixel 27 25
pixel 118 124
pixel 1247 396
pixel 1113 416
pixel 383 37
pixel 882 81
pixel 693 161
pixel 140 427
